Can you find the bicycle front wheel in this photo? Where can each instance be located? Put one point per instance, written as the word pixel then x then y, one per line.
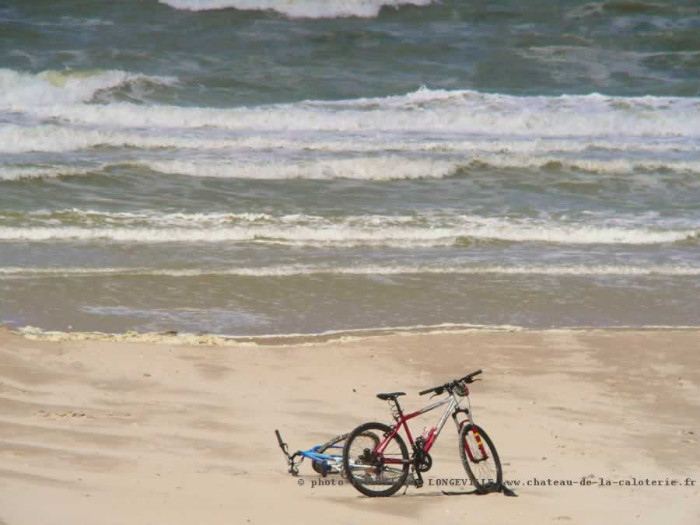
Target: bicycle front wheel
pixel 480 458
pixel 323 467
pixel 375 464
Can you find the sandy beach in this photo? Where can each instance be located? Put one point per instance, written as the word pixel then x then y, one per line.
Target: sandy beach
pixel 279 209
pixel 117 432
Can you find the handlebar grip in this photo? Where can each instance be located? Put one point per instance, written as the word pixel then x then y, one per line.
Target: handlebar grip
pixel 468 378
pixel 440 389
pixel 437 389
pixel 279 438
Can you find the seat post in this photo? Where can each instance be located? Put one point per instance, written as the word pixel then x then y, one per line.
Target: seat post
pixel 398 407
pixel 392 398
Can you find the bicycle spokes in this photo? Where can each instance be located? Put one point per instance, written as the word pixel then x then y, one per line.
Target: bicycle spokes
pixel 375 460
pixel 479 457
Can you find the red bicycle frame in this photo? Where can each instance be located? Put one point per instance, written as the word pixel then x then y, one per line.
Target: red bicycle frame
pixel 453 408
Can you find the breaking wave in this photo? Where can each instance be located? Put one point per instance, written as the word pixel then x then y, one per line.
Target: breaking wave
pixel 301 270
pixel 304 230
pixel 19 91
pixel 299 9
pixel 385 168
pixel 425 111
pixel 54 138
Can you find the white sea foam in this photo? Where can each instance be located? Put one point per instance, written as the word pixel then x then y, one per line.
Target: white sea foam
pixel 395 167
pixel 432 221
pixel 66 88
pixel 55 138
pixel 298 236
pixel 299 8
pixel 301 270
pixel 162 220
pixel 65 95
pixel 427 225
pixel 425 111
pixel 392 167
pixel 424 134
pixel 297 339
pixel 9 173
pixel 382 168
pixel 359 231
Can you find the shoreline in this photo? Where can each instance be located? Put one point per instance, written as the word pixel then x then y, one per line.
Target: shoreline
pixel 208 339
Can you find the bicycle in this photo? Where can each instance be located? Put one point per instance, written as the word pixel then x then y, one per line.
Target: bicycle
pixel 322 463
pixel 380 466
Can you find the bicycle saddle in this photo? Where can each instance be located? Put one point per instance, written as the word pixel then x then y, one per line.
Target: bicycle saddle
pixel 390 395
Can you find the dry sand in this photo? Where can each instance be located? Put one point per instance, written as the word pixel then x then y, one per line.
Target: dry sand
pixel 99 432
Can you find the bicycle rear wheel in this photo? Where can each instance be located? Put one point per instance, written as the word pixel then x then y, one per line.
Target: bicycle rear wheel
pixel 373 465
pixel 480 458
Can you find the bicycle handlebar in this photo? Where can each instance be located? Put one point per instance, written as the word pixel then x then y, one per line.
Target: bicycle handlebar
pixel 283 445
pixel 293 466
pixel 469 378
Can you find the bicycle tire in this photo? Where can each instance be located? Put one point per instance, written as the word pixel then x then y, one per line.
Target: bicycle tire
pixel 356 461
pixel 484 473
pixel 318 466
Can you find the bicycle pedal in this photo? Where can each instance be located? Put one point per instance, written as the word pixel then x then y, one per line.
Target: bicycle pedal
pixel 417 478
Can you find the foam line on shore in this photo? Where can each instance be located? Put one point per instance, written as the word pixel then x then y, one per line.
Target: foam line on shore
pixel 299 339
pixel 177 338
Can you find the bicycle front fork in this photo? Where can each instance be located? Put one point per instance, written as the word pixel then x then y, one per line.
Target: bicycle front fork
pixel 477 436
pixel 466 413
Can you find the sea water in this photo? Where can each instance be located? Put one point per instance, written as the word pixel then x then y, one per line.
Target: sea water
pixel 273 166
